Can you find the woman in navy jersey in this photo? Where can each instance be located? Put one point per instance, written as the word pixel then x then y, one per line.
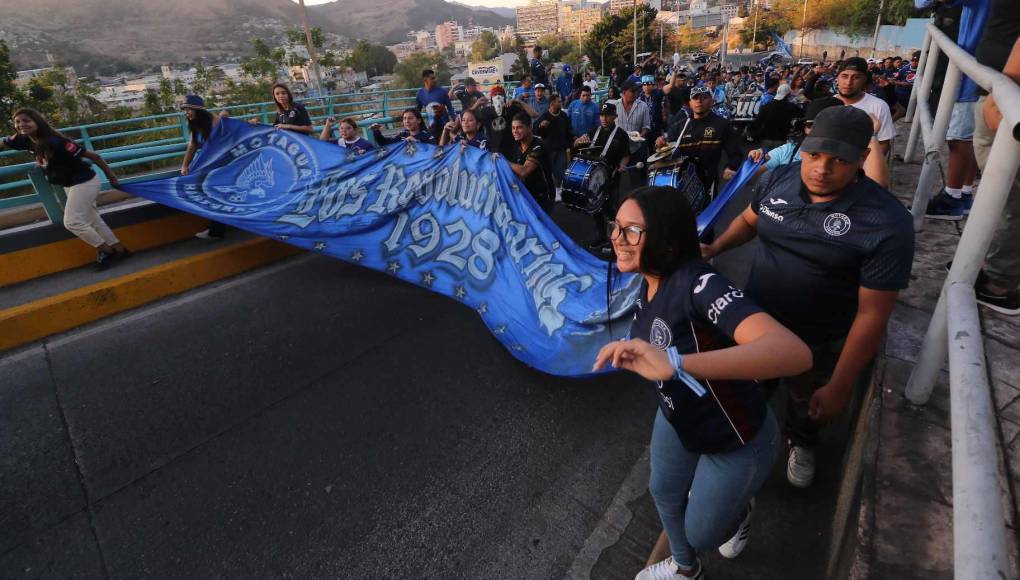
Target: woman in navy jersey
pixel 349 135
pixel 704 344
pixel 467 130
pixel 414 130
pixel 290 115
pixel 63 161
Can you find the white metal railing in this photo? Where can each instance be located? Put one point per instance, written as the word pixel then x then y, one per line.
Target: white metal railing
pixel 979 540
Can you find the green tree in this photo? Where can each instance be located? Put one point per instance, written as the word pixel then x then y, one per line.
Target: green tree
pixel 620 28
pixel 266 63
pixel 520 66
pixel 485 47
pixel 559 48
pixel 10 96
pixel 408 71
pixel 374 59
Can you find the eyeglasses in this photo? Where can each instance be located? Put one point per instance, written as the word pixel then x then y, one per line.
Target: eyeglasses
pixel 631 234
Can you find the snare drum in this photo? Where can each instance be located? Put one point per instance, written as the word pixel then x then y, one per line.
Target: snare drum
pixel 683 176
pixel 586 185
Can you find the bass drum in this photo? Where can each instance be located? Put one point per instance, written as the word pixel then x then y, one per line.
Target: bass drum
pixel 586 185
pixel 682 175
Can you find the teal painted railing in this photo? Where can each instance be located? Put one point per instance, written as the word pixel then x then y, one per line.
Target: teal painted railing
pixel 165 137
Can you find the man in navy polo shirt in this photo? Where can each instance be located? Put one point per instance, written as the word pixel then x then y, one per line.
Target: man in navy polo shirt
pixel 835 250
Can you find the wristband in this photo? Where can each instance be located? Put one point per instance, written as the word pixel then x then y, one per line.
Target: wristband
pixel 676 361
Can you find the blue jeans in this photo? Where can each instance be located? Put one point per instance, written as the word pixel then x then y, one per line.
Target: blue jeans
pixel 720 486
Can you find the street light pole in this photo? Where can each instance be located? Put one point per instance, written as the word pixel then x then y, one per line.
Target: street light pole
pixel 754 31
pixel 878 24
pixel 635 32
pixel 311 48
pixel 603 58
pixel 803 21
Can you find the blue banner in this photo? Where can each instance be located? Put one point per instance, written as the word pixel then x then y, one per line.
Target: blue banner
pixel 453 220
pixel 781 45
pixel 744 175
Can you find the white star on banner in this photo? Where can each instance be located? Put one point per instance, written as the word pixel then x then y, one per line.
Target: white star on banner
pixel 320 246
pixel 483 308
pixel 500 329
pixel 428 278
pixel 459 292
pixel 358 255
pixel 393 267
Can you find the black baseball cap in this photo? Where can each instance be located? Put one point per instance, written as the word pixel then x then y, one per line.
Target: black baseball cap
pixel 608 109
pixel 841 131
pixel 818 105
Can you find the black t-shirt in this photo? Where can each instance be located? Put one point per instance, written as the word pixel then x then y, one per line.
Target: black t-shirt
pixel 64 167
pixel 704 142
pixel 539 181
pixel 677 98
pixel 296 115
pixel 467 98
pixel 618 149
pixel 696 309
pixel 557 134
pixel 497 128
pixel 775 120
pixel 814 257
pixel 1001 31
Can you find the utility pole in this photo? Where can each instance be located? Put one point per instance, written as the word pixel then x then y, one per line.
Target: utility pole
pixel 803 21
pixel 635 32
pixel 754 31
pixel 311 48
pixel 878 24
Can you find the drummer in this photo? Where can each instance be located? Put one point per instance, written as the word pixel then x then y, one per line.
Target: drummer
pixel 607 143
pixel 707 136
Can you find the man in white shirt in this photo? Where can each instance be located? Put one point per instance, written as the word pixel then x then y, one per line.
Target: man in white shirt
pixel 633 115
pixel 851 83
pixel 592 82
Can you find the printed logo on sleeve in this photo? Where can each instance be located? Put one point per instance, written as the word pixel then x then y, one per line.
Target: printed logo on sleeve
pixel 720 303
pixel 702 282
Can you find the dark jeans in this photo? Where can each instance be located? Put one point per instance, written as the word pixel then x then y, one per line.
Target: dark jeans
pixel 798 427
pixel 559 166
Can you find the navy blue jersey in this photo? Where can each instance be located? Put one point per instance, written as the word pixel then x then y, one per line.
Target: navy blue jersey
pixel 422 136
pixel 696 309
pixel 295 115
pixel 359 145
pixel 814 257
pixel 63 165
pixel 478 141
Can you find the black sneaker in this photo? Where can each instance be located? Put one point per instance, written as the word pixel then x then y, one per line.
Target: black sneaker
pixel 1008 303
pixel 103 260
pixel 944 207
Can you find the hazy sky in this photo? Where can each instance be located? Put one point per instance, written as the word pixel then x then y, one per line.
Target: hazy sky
pixel 489 3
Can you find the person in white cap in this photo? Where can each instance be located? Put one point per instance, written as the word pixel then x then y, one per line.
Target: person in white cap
pixel 772 126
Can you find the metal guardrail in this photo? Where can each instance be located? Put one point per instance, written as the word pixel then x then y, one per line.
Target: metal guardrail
pixel 978 523
pixel 369 108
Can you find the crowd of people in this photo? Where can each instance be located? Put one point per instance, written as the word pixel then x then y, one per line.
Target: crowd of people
pixel 835 246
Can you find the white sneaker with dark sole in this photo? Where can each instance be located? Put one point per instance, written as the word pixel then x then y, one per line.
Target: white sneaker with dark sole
pixel 735 545
pixel 800 468
pixel 669 570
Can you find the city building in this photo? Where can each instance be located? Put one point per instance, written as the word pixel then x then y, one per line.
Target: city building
pixel 447 33
pixel 25 76
pixel 617 6
pixel 537 18
pixel 574 20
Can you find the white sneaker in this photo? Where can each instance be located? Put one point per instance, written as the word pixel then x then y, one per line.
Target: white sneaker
pixel 800 468
pixel 203 235
pixel 732 548
pixel 668 570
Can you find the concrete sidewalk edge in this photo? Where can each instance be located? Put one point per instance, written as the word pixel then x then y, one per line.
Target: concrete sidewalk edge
pixel 27 323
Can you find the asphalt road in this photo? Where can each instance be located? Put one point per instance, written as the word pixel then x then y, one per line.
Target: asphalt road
pixel 318 420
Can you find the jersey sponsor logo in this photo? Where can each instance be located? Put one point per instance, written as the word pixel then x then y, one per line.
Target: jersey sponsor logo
pixel 766 211
pixel 709 132
pixel 720 304
pixel 660 336
pixel 778 201
pixel 836 224
pixel 702 282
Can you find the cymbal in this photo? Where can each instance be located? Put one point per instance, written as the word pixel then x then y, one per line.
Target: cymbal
pixel 660 154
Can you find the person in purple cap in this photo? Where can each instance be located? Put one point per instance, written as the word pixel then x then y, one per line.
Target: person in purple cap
pixel 835 250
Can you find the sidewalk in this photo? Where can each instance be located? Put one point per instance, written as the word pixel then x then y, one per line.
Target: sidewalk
pixel 906 524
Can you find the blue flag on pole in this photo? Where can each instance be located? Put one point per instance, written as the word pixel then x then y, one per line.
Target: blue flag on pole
pixel 781 45
pixel 454 220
